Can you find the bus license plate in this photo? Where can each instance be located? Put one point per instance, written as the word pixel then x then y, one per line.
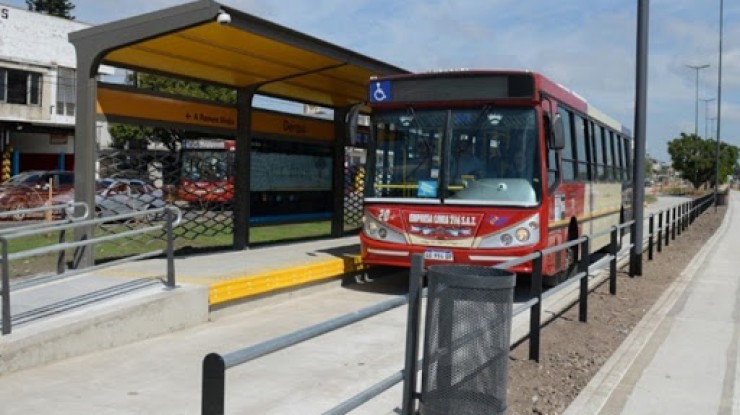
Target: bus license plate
pixel 438 255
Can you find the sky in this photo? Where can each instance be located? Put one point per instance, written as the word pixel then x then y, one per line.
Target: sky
pixel 589 46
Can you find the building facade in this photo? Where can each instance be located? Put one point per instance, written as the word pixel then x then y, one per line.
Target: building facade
pixel 37 91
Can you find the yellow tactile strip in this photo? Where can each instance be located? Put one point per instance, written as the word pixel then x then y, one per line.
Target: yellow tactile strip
pixel 250 285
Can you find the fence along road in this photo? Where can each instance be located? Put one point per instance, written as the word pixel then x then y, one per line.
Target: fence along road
pixel 163 375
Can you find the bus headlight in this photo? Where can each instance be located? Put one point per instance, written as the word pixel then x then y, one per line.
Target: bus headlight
pixel 506 239
pixel 523 233
pixel 381 232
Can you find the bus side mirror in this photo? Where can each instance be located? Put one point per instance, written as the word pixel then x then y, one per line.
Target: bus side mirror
pixel 557 133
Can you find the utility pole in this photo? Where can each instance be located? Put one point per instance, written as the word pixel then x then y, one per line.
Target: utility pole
pixel 719 104
pixel 638 175
pixel 697 68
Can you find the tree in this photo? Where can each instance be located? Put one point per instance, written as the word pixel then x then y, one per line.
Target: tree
pixel 695 158
pixel 648 167
pixel 60 8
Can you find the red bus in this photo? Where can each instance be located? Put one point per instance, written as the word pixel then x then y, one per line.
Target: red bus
pixel 479 167
pixel 206 170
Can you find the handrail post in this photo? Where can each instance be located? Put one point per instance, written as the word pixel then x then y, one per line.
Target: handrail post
pixel 668 227
pixel 60 256
pixel 583 268
pixel 679 221
pixel 660 231
pixel 689 213
pixel 214 382
pixel 416 273
pixel 170 248
pixel 535 312
pixel 613 250
pixel 6 287
pixel 633 257
pixel 674 218
pixel 651 229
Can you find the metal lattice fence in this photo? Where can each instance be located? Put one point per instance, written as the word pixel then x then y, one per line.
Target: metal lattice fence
pixel 200 183
pixel 354 186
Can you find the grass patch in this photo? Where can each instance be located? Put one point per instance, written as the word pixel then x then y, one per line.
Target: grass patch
pixel 205 239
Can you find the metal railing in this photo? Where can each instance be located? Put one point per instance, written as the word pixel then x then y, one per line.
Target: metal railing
pixel 215 365
pixel 172 217
pixel 64 210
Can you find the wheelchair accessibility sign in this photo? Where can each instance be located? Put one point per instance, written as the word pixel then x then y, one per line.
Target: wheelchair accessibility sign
pixel 380 91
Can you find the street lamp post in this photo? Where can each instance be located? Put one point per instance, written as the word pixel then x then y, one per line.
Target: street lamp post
pixel 711 124
pixel 706 116
pixel 697 68
pixel 719 104
pixel 638 167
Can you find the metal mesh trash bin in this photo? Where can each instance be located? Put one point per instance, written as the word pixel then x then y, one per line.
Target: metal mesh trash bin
pixel 466 344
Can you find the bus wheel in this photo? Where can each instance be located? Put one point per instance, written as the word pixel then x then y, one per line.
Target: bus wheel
pixel 570 270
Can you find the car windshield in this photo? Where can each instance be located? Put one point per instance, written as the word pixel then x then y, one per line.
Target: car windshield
pixel 485 154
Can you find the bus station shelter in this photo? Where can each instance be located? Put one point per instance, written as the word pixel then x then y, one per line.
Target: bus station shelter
pixel 210 43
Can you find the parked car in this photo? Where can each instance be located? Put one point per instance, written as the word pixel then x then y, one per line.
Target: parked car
pixel 119 196
pixel 33 189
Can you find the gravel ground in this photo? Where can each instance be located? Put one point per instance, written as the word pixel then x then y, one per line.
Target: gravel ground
pixel 572 352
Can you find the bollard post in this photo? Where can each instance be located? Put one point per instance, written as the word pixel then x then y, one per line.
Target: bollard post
pixel 613 250
pixel 214 379
pixel 651 228
pixel 673 224
pixel 535 312
pixel 170 248
pixel 583 268
pixel 416 273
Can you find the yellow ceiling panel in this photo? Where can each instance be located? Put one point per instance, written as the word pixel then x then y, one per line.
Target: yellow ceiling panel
pixel 252 52
pixel 255 45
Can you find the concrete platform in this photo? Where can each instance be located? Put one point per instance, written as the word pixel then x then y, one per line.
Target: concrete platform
pixel 206 285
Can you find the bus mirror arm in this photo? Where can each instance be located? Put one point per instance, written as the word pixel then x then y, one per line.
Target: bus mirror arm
pixel 353 116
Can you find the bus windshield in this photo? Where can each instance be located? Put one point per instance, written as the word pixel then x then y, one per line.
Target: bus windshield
pixel 206 165
pixel 465 155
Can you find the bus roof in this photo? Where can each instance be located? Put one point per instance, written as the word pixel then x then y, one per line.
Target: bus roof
pixel 504 84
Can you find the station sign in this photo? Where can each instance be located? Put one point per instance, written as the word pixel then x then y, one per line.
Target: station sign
pixel 144 106
pixel 163 109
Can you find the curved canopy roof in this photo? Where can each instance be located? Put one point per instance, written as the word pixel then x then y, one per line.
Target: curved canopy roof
pixel 187 41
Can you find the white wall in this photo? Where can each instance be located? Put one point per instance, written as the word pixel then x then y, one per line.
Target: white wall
pixel 36 38
pixel 38 42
